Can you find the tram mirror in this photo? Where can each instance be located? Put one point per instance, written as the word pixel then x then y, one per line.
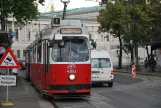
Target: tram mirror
pixel 93 44
pixel 50 44
pixel 61 43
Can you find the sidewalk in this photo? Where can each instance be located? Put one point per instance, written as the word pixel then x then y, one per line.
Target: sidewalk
pixel 142 71
pixel 24 95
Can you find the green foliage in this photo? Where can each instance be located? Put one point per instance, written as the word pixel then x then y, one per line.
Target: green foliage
pixel 119 17
pixel 113 19
pixel 22 10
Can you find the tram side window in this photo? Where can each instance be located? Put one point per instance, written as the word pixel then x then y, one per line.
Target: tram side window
pixel 39 53
pixel 35 54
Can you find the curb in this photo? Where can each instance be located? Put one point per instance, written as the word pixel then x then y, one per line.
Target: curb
pixel 128 72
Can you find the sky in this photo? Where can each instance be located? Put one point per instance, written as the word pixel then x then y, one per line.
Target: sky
pixel 58 5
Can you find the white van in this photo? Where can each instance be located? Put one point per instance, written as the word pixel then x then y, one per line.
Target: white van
pixel 102 68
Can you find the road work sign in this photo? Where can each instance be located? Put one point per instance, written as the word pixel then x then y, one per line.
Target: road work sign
pixel 9 60
pixel 7 80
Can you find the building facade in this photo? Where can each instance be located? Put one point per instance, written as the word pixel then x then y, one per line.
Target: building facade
pixel 25 34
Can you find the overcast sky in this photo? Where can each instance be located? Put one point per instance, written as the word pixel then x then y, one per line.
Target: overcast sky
pixel 58 5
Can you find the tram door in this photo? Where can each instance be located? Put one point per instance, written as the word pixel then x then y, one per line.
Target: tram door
pixel 45 64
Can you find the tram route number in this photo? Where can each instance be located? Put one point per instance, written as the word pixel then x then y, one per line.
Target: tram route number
pixel 71 71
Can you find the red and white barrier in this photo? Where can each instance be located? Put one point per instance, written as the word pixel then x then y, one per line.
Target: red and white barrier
pixel 133 71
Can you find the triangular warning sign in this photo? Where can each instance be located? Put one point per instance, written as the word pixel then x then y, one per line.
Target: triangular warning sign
pixel 9 60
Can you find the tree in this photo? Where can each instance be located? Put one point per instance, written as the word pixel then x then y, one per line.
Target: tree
pixel 156 20
pixel 22 10
pixel 114 19
pixel 138 29
pixel 131 29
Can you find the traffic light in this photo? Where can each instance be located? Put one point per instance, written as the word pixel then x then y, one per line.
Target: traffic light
pixel 56 20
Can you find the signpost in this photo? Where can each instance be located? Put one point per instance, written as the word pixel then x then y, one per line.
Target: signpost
pixel 12 33
pixel 7 80
pixel 8 61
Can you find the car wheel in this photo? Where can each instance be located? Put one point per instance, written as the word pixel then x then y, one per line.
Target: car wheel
pixel 110 84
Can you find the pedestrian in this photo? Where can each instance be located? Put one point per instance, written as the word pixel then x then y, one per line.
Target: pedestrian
pixel 146 62
pixel 153 64
pixel 15 72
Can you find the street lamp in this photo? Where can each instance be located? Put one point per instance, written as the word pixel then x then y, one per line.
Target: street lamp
pixel 65 2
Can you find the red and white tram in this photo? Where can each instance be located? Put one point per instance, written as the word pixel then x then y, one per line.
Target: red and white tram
pixel 58 63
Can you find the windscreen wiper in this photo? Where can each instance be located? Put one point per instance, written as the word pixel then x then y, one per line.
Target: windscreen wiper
pixel 100 66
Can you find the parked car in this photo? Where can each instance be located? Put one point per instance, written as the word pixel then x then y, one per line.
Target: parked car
pixel 102 68
pixel 22 64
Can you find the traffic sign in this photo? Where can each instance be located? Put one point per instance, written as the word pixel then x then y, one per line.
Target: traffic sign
pixel 9 60
pixel 7 80
pixel 12 33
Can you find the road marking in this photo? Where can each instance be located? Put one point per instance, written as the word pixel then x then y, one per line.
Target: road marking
pixel 104 105
pixel 74 106
pixel 100 96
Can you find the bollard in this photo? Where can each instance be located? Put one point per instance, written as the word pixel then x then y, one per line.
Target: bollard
pixel 134 71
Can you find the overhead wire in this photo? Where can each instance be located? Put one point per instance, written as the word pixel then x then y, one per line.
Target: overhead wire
pixel 48 5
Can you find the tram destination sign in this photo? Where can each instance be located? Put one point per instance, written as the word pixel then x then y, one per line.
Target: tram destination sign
pixel 70 31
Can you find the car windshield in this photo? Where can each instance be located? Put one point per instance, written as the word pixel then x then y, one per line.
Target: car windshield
pixel 21 62
pixel 74 50
pixel 100 63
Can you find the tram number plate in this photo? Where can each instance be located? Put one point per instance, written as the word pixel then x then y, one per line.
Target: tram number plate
pixel 71 71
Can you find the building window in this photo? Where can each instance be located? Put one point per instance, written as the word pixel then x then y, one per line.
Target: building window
pixel 16 30
pixel 18 53
pixel 102 39
pixel 108 38
pixel 10 30
pixel 29 36
pixel 23 53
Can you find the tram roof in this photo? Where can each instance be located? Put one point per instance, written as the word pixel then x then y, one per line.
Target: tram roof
pixel 48 33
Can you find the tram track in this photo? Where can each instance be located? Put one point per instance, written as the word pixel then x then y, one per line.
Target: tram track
pixel 35 94
pixel 53 103
pixel 74 106
pixel 95 106
pixel 94 101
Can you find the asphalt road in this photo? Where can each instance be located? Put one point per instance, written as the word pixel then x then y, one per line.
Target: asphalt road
pixel 143 92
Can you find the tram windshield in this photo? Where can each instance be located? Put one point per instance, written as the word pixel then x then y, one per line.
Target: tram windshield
pixel 70 50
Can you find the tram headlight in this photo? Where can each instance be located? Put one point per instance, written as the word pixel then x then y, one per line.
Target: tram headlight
pixel 72 77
